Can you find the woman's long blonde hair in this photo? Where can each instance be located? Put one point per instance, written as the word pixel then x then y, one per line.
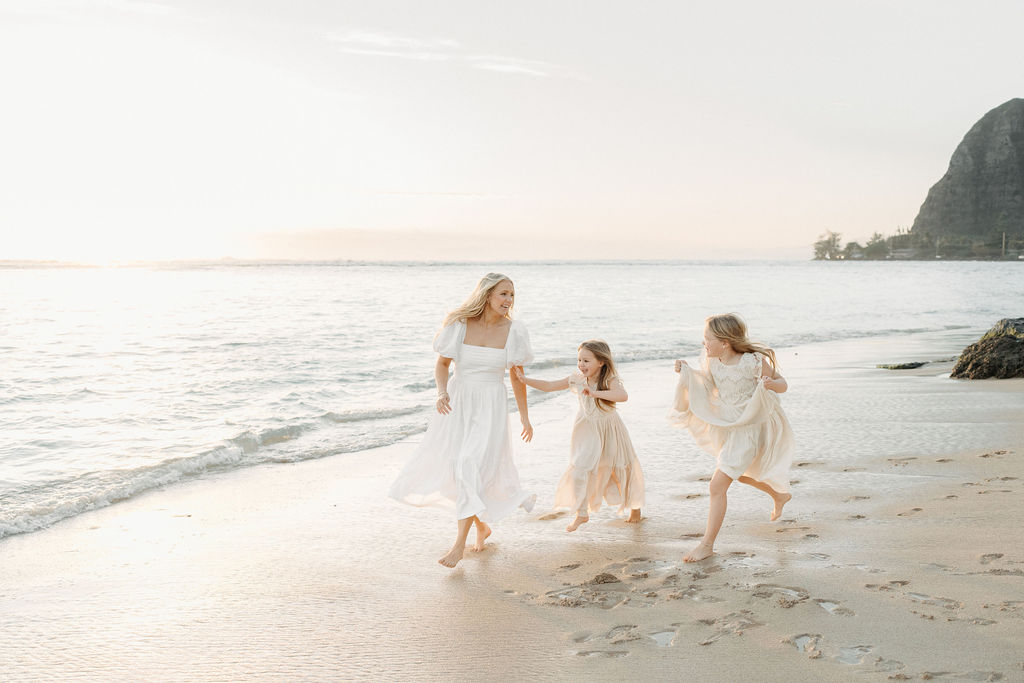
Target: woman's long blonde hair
pixel 729 327
pixel 477 301
pixel 603 354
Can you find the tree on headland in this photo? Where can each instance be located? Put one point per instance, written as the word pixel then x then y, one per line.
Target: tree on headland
pixel 853 250
pixel 877 247
pixel 828 248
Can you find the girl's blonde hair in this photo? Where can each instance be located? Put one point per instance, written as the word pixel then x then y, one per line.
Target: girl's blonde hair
pixel 603 354
pixel 477 301
pixel 730 328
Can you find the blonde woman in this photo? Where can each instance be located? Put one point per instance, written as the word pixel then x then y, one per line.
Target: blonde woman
pixel 732 409
pixel 465 458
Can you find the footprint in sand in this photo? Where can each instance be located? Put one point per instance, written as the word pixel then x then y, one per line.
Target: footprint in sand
pixel 734 623
pixel 853 498
pixel 856 517
pixel 552 515
pixel 787 595
pixel 909 512
pixel 569 567
pixel 993 454
pixel 861 655
pixel 792 528
pixel 835 608
pixel 901 462
pixel 623 634
pixel 945 603
pixel 692 592
pixel 990 557
pixel 806 642
pixel 662 638
pixel 963 676
pixel 944 460
pixel 601 653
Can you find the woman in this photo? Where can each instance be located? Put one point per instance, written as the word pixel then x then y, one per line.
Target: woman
pixel 465 458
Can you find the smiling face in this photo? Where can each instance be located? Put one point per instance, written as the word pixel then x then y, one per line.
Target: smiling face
pixel 713 346
pixel 501 298
pixel 588 363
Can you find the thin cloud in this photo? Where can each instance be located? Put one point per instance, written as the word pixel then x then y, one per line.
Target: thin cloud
pixel 382 44
pixel 413 193
pixel 73 9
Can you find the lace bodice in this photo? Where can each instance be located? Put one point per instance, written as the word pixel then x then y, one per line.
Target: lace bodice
pixel 588 406
pixel 736 383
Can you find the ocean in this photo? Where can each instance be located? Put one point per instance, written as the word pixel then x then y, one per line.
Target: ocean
pixel 117 380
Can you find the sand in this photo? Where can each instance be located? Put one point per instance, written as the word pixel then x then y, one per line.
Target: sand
pixel 899 557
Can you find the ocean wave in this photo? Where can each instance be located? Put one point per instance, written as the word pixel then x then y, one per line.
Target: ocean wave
pixel 30 508
pixel 373 414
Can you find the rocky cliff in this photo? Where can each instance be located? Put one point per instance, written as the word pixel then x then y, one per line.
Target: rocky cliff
pixel 983 190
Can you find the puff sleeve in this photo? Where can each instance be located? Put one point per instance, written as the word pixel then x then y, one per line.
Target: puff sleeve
pixel 517 348
pixel 448 340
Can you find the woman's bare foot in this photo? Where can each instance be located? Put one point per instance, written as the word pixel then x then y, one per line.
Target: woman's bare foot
pixel 482 532
pixel 634 516
pixel 453 556
pixel 780 501
pixel 701 552
pixel 580 519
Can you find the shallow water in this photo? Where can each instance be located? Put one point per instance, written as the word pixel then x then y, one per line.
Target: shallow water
pixel 117 380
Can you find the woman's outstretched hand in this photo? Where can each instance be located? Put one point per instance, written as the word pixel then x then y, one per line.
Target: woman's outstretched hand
pixel 527 430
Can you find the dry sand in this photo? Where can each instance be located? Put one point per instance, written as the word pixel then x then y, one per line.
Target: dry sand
pixel 899 557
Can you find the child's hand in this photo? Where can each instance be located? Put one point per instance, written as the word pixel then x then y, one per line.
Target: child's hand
pixel 768 382
pixel 586 391
pixel 518 373
pixel 679 365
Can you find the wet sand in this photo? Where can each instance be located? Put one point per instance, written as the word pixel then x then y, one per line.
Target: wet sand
pixel 899 556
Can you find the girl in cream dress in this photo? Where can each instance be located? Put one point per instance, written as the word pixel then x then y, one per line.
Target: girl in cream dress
pixel 732 409
pixel 603 465
pixel 465 459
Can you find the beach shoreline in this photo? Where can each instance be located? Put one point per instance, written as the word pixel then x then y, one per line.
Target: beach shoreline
pixel 898 557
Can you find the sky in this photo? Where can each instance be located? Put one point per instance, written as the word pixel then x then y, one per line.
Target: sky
pixel 328 129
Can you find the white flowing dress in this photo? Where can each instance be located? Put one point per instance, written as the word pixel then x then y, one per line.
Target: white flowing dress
pixel 734 417
pixel 465 458
pixel 603 464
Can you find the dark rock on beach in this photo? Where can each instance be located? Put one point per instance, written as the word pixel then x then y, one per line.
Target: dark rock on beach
pixel 902 366
pixel 999 353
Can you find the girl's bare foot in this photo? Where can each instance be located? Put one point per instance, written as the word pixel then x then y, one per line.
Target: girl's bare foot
pixel 482 532
pixel 780 501
pixel 634 516
pixel 580 519
pixel 701 552
pixel 453 556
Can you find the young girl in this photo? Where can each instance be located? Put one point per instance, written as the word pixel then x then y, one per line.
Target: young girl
pixel 603 463
pixel 733 411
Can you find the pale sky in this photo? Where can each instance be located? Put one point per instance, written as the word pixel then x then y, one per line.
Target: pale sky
pixel 324 129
